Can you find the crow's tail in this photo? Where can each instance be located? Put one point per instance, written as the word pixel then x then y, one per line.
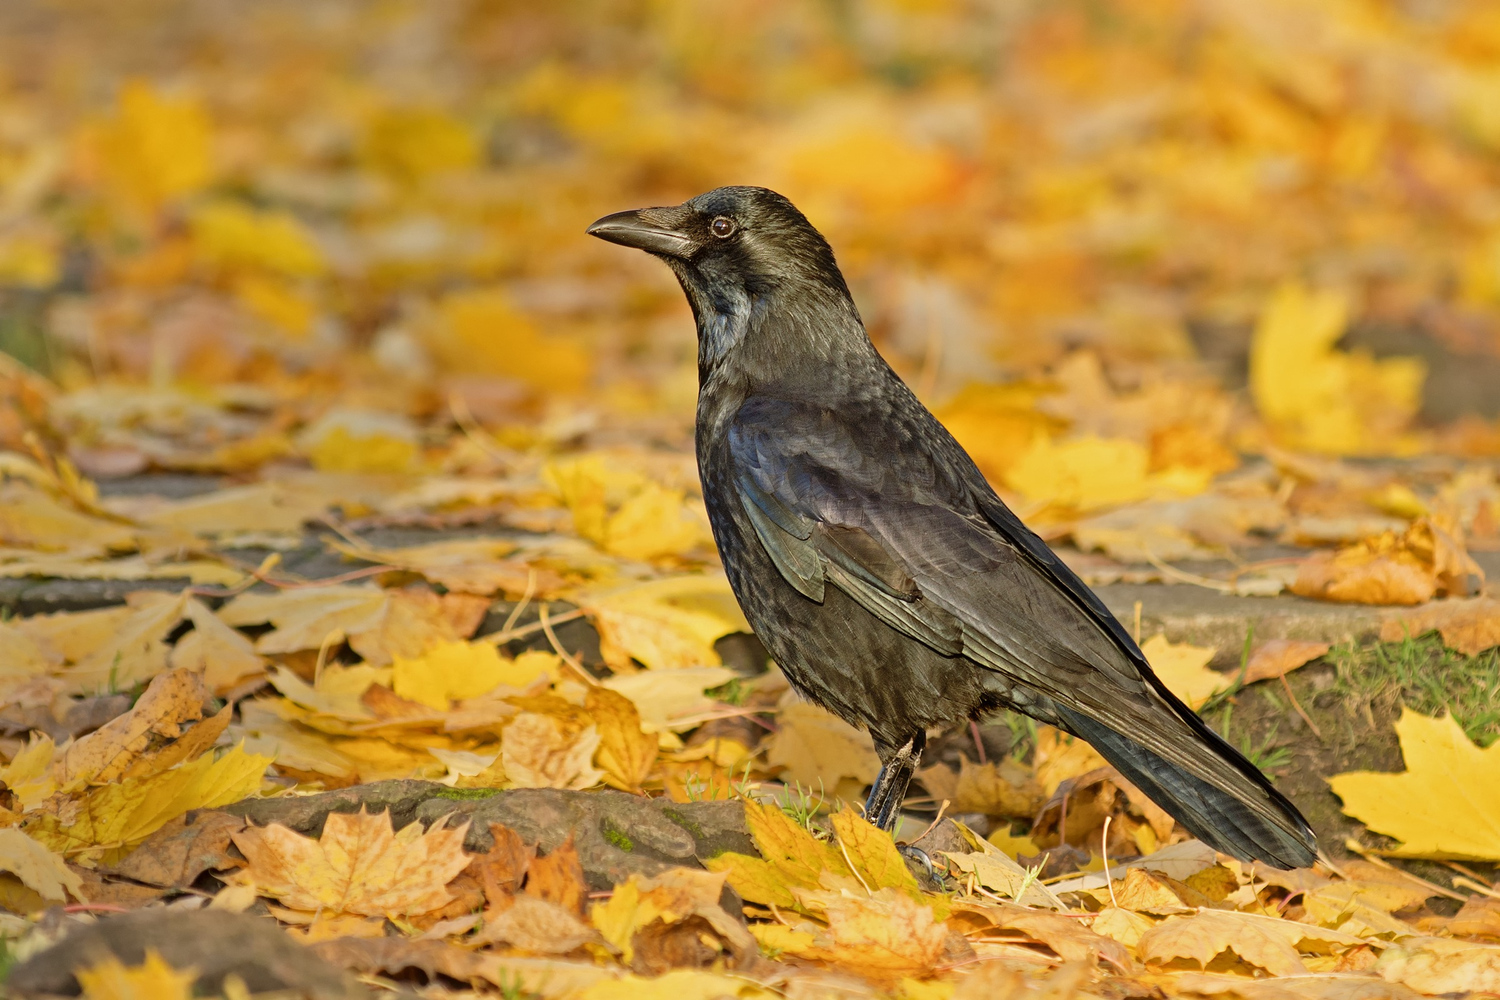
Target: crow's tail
pixel 1254 822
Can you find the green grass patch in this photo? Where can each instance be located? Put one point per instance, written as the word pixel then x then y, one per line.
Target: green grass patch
pixel 1424 675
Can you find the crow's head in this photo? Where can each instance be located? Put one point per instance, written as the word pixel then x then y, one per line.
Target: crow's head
pixel 736 251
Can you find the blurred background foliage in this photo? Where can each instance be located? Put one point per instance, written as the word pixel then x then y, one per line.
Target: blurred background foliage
pixel 1121 238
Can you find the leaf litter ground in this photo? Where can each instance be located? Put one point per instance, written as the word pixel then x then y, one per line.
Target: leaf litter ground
pixel 397 478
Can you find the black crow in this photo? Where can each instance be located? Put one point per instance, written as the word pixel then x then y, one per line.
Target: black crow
pixel 885 577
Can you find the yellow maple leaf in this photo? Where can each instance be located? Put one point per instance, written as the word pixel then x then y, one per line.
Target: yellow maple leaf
pixel 453 671
pixel 483 331
pixel 157 147
pixel 29 773
pixel 359 865
pixel 872 853
pixel 114 818
pixel 153 979
pixel 815 745
pixel 353 449
pixel 678 984
pixel 791 858
pixel 413 143
pixel 1183 668
pixel 1321 399
pixel 1090 472
pixel 231 234
pixel 107 753
pixel 1440 806
pixel 885 935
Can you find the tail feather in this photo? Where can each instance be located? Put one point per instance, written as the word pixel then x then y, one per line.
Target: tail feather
pixel 1258 824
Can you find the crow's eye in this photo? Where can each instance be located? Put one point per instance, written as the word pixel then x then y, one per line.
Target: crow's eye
pixel 722 227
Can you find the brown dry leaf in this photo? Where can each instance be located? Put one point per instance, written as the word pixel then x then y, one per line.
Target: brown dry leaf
pixel 626 752
pixel 671 920
pixel 174 856
pixel 547 978
pixel 1278 657
pixel 1151 892
pixel 221 654
pixel 359 865
pixel 1065 935
pixel 109 752
pixel 996 789
pixel 543 751
pixel 1469 627
pixel 536 925
pixel 1409 568
pixel 558 878
pixel 501 869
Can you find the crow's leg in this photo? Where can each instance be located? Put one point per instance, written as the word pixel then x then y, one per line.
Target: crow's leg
pixel 889 790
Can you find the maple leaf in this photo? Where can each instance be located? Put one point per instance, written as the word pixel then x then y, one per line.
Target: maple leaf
pixel 1437 808
pixel 1268 942
pixel 791 858
pixel 884 935
pixel 359 865
pixel 155 148
pixel 815 745
pixel 153 979
pixel 111 751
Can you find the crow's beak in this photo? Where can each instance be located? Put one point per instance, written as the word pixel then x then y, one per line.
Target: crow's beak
pixel 649 229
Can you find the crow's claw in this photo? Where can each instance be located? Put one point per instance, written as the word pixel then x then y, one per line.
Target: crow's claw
pixel 920 857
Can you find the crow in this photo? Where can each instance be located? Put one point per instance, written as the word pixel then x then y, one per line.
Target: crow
pixel 873 560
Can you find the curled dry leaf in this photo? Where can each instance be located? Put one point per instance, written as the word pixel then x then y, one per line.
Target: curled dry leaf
pixel 359 865
pixel 883 936
pixel 38 867
pixel 1410 568
pixel 157 718
pixel 1267 942
pixel 1469 627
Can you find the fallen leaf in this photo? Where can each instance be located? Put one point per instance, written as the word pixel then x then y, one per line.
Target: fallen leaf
pixel 114 818
pixel 136 650
pixel 458 670
pixel 1469 627
pixel 181 850
pixel 671 700
pixel 222 655
pixel 1278 657
pixel 678 984
pixel 1183 668
pixel 468 566
pixel 1441 966
pixel 501 869
pixel 885 935
pixel 626 752
pixel 1410 568
pixel 541 751
pixel 359 865
pixel 1267 942
pixel 1432 807
pixel 39 868
pixel 790 858
pixel 1059 757
pixel 558 878
pixel 307 619
pixel 106 754
pixel 153 979
pixel 538 926
pixel 816 746
pixel 667 623
pixel 871 853
pixel 414 620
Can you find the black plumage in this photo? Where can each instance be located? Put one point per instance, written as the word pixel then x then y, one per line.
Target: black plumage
pixel 883 574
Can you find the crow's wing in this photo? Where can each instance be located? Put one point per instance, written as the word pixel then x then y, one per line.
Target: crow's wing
pixel 894 513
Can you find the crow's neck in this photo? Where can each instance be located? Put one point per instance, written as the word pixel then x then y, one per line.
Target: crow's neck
pixel 804 343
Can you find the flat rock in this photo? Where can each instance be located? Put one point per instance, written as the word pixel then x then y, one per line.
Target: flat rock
pixel 214 942
pixel 616 834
